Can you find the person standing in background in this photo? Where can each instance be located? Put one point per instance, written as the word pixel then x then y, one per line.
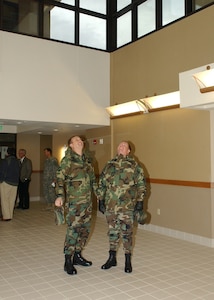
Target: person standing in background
pixel 121 192
pixel 24 180
pixel 49 179
pixel 9 180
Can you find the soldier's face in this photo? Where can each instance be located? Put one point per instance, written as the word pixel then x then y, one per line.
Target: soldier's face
pixel 76 143
pixel 47 153
pixel 123 149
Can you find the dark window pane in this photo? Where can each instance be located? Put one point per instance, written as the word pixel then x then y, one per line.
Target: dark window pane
pixel 10 16
pixel 200 3
pixel 21 16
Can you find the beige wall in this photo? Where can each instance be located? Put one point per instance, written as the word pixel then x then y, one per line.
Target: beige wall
pixel 174 144
pixel 170 143
pixel 185 209
pixel 36 73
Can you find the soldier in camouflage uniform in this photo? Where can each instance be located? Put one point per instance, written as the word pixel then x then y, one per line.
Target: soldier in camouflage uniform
pixel 49 178
pixel 76 179
pixel 121 193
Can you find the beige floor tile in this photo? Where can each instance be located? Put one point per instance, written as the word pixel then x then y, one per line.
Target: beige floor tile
pixel 164 268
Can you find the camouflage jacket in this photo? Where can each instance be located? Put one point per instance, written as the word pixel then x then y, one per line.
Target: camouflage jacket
pixel 121 184
pixel 50 168
pixel 75 177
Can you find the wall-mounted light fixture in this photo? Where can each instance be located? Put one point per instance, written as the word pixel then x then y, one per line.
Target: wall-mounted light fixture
pixel 128 108
pixel 145 105
pixel 205 80
pixel 161 102
pixel 197 88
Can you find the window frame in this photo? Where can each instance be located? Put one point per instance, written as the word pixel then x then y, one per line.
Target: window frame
pixel 110 17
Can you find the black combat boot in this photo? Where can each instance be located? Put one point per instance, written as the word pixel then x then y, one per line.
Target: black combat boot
pixel 128 265
pixel 79 260
pixel 111 262
pixel 68 266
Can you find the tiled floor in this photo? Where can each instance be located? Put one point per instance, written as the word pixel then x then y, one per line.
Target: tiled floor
pixel 31 264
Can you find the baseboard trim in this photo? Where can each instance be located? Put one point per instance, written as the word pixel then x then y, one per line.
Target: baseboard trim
pixel 179 235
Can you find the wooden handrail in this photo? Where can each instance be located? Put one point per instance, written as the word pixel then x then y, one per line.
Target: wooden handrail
pixel 200 184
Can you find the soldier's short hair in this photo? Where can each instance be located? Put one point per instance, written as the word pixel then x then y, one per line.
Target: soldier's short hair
pixel 69 140
pixel 49 150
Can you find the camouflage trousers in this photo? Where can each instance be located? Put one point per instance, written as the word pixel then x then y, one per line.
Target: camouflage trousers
pixel 49 192
pixel 78 221
pixel 120 226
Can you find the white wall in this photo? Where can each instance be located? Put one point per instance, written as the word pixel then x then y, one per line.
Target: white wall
pixel 56 82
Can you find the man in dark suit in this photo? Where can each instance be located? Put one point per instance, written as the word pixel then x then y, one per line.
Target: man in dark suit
pixel 9 180
pixel 24 180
